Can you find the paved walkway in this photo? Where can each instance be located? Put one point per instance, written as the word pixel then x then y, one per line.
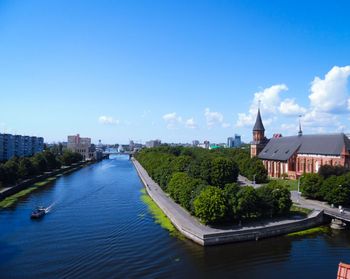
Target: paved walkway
pixel 243 181
pixel 193 229
pixel 318 205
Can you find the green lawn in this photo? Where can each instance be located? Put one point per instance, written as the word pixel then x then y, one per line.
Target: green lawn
pixel 298 209
pixel 292 185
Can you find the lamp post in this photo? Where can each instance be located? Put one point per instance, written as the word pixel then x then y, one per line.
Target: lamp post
pixel 298 193
pixel 254 179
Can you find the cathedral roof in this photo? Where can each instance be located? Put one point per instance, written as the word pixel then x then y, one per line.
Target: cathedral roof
pixel 258 123
pixel 281 149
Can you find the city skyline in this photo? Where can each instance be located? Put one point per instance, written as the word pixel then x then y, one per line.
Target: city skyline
pixel 174 71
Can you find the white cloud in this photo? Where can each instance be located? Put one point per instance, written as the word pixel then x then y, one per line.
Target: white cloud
pixel 317 118
pixel 213 117
pixel 290 128
pixel 108 120
pixel 245 120
pixel 190 123
pixel 172 119
pixel 331 93
pixel 329 99
pixel 226 125
pixel 289 107
pixel 270 101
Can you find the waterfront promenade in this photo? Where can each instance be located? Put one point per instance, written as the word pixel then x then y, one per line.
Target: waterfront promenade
pixel 319 205
pixel 206 235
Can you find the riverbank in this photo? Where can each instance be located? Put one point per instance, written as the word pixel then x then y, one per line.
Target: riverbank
pixel 9 195
pixel 191 228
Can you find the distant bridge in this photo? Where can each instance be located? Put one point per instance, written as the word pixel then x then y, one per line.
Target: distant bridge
pixel 113 152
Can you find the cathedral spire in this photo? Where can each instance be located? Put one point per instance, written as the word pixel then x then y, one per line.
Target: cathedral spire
pixel 258 123
pixel 300 133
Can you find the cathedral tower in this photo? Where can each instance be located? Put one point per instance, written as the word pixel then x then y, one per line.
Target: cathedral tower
pixel 259 140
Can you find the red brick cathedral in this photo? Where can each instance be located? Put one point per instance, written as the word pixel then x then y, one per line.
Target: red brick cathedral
pixel 294 155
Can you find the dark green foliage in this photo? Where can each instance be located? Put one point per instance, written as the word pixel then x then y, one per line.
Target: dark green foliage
pixel 210 205
pixel 310 185
pixel 51 159
pixel 182 187
pixel 17 169
pixel 281 197
pixel 247 202
pixel 181 163
pixel 185 174
pixel 40 162
pixel 223 171
pixel 249 167
pixel 257 170
pixel 11 171
pixel 336 190
pixel 230 191
pixel 26 168
pixel 69 157
pixel 327 170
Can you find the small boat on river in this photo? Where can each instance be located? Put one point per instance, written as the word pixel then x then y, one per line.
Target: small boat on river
pixel 38 213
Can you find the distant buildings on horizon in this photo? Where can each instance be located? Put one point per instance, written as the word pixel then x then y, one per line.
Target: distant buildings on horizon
pixel 84 147
pixel 19 146
pixel 234 141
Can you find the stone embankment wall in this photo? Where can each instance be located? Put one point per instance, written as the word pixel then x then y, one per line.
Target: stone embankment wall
pixel 190 227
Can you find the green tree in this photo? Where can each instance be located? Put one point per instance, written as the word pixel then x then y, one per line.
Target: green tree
pixel 210 205
pixel 247 202
pixel 68 157
pixel 336 190
pixel 39 162
pixel 310 185
pixel 267 205
pixel 181 163
pixel 181 188
pixel 282 200
pixel 223 171
pixel 26 168
pixel 230 191
pixel 51 160
pixel 11 171
pixel 257 170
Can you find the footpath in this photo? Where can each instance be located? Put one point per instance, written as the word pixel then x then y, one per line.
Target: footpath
pixel 190 227
pixel 343 214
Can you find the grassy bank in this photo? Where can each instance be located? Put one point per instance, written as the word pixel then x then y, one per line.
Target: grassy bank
pixel 312 231
pixel 158 215
pixel 297 209
pixel 14 198
pixel 11 200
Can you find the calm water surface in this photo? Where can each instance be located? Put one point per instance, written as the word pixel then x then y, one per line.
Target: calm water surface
pixel 99 228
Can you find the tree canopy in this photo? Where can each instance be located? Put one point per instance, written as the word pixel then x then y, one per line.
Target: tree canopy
pixel 17 169
pixel 204 182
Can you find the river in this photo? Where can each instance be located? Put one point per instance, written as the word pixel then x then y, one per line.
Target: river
pixel 99 227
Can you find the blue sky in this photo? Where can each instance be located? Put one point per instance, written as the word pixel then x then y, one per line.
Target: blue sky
pixel 173 70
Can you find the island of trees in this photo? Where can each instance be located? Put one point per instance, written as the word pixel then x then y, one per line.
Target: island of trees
pixel 205 183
